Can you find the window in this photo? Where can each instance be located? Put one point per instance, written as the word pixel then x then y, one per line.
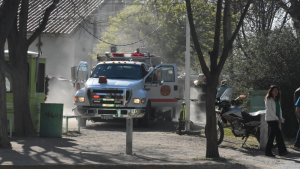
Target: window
pixel 8 82
pixel 144 71
pixel 118 71
pixel 168 74
pixel 82 73
pixel 41 79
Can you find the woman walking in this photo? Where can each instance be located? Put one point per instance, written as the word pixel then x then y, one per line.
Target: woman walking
pixel 274 118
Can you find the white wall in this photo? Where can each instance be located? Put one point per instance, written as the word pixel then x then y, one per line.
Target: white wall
pixel 60 55
pixel 65 51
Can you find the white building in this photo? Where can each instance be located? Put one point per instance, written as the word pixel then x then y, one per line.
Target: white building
pixel 68 38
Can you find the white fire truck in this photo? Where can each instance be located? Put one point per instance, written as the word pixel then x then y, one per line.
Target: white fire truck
pixel 124 84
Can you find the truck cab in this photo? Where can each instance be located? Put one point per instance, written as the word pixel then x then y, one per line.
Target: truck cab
pixel 127 84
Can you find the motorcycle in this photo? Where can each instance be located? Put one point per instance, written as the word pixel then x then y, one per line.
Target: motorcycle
pixel 242 124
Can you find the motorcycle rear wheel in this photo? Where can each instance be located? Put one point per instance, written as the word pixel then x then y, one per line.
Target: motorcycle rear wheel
pixel 220 132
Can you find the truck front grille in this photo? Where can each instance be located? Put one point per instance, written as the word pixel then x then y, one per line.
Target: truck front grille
pixel 108 91
pixel 110 97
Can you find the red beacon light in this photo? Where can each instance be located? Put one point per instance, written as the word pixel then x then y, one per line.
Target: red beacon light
pixel 102 79
pixel 117 55
pixel 137 55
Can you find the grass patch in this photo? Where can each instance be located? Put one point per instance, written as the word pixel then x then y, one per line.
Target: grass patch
pixel 229 137
pixel 228 132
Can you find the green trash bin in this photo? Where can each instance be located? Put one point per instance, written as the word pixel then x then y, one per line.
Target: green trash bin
pixel 51 120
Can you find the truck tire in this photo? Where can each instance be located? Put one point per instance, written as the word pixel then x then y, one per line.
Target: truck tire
pixel 82 122
pixel 168 117
pixel 145 120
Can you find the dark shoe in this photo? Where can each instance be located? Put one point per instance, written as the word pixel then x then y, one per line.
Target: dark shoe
pixel 296 146
pixel 270 155
pixel 284 153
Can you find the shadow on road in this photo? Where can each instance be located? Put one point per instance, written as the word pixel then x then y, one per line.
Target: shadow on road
pixel 154 126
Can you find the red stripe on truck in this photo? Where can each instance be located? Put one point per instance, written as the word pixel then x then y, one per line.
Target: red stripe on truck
pixel 163 100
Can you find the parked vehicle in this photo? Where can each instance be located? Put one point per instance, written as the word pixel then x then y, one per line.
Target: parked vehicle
pixel 242 124
pixel 36 86
pixel 125 84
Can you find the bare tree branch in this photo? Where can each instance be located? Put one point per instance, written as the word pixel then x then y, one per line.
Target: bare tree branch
pixel 8 12
pixel 12 40
pixel 228 45
pixel 284 20
pixel 23 20
pixel 42 26
pixel 225 20
pixel 215 52
pixel 195 39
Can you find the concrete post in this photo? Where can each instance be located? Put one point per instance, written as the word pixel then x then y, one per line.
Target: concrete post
pixel 129 130
pixel 263 132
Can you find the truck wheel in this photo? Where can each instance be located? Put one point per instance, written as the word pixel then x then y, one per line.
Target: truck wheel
pixel 82 122
pixel 168 117
pixel 145 120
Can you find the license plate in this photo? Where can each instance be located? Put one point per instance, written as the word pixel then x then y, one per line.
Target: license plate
pixel 106 117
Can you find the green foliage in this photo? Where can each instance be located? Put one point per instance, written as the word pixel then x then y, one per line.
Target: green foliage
pixel 271 57
pixel 168 41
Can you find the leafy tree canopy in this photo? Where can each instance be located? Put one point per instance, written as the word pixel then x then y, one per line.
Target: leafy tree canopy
pixel 163 23
pixel 270 57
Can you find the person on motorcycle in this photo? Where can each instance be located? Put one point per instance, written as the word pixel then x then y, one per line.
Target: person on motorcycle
pixel 222 89
pixel 274 118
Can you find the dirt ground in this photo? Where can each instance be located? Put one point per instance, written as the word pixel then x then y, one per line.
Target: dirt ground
pixel 105 144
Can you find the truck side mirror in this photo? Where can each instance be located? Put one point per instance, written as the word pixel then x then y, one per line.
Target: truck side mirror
pixel 73 73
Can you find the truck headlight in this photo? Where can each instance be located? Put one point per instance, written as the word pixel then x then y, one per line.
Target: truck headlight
pixel 136 101
pixel 139 101
pixel 79 99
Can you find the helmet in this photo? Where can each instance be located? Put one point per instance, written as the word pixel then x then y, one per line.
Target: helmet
pixel 223 83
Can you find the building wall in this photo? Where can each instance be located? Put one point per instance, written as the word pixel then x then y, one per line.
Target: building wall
pixel 65 51
pixel 60 55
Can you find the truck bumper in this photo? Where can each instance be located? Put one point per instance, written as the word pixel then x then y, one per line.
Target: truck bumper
pixel 111 113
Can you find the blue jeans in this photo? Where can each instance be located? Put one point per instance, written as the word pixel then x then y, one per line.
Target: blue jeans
pixel 297 142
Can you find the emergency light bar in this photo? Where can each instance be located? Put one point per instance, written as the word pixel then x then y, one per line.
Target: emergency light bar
pixel 129 55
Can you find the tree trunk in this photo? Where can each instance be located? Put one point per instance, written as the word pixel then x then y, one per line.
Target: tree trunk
pixel 4 141
pixel 212 150
pixel 23 121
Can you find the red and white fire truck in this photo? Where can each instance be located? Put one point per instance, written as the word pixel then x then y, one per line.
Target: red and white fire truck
pixel 126 84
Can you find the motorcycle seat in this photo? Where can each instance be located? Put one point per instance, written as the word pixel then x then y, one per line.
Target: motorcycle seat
pixel 248 118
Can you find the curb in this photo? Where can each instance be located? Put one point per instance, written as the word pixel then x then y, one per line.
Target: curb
pixel 202 166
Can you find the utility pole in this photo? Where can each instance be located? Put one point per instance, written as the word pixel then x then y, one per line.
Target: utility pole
pixel 187 76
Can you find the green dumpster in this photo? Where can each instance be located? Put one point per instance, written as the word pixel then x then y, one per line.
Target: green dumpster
pixel 51 120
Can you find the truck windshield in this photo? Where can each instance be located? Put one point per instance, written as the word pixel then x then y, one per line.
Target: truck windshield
pixel 118 71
